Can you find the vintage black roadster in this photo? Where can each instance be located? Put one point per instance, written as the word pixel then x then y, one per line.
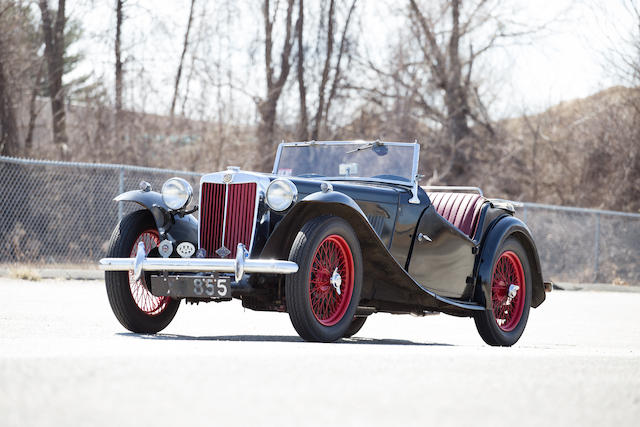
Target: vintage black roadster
pixel 338 231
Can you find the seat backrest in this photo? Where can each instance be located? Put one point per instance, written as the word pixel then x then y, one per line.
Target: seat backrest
pixel 460 209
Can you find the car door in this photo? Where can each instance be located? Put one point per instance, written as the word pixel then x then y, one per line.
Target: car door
pixel 442 259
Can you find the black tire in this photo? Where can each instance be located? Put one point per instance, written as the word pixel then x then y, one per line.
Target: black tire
pixel 511 330
pixel 356 324
pixel 325 322
pixel 119 289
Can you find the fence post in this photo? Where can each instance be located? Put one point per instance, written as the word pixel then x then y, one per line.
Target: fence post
pixel 597 249
pixel 120 191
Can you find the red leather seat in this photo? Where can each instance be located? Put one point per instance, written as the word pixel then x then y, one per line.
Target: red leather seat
pixel 460 209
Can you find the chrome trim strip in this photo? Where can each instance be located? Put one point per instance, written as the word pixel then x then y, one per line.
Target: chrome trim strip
pixel 407 184
pixel 221 265
pixel 224 214
pixel 309 143
pixel 414 175
pixel 277 160
pixel 452 188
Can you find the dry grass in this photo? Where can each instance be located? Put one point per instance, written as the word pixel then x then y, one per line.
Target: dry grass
pixel 42 265
pixel 24 273
pixel 620 282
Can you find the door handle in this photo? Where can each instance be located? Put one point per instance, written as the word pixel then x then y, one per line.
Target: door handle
pixel 424 238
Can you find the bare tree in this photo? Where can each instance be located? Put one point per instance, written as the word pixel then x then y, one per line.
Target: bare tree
pixel 329 75
pixel 185 46
pixel 267 106
pixel 451 73
pixel 432 82
pixel 53 33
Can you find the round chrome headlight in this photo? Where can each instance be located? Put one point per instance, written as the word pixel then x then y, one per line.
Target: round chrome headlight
pixel 281 194
pixel 176 193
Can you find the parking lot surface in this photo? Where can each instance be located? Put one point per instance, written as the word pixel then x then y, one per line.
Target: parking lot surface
pixel 65 360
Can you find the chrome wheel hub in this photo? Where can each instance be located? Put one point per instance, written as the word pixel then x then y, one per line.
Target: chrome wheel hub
pixel 336 280
pixel 511 294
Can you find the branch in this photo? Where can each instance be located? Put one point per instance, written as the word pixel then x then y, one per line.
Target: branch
pixel 185 46
pixel 325 73
pixel 435 53
pixel 336 76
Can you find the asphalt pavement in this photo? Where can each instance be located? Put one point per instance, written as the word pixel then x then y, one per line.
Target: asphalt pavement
pixel 65 360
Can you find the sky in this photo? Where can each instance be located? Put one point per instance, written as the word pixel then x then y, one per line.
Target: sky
pixel 565 60
pixel 573 59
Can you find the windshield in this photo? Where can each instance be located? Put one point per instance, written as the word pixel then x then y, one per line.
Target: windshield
pixel 348 160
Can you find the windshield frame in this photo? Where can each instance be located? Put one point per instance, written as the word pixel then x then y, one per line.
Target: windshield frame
pixel 356 144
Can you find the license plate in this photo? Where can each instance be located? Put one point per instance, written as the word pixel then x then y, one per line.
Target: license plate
pixel 212 286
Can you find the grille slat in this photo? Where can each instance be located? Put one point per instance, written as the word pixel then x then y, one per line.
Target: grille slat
pixel 239 219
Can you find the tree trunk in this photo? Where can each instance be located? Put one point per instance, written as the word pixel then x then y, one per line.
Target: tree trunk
pixel 267 107
pixel 266 128
pixel 325 74
pixel 119 19
pixel 33 110
pixel 456 97
pixel 185 46
pixel 119 74
pixel 303 125
pixel 9 145
pixel 54 52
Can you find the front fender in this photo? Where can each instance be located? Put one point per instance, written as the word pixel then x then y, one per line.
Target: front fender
pixel 314 205
pixel 319 204
pixel 175 227
pixel 498 232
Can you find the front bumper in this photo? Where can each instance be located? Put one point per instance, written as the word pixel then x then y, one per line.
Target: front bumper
pixel 240 265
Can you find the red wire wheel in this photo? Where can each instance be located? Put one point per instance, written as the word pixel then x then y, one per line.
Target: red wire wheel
pixel 332 256
pixel 145 300
pixel 508 271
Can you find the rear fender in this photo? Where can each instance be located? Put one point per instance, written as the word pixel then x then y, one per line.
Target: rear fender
pixel 173 226
pixel 503 228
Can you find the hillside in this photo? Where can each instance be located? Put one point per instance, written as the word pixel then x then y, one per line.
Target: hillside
pixel 584 152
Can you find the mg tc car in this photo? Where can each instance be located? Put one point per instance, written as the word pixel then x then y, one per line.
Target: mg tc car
pixel 337 232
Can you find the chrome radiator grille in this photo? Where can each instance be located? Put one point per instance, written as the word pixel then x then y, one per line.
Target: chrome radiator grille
pixel 227 217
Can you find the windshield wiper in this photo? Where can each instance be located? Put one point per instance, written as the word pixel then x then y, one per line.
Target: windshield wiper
pixel 376 143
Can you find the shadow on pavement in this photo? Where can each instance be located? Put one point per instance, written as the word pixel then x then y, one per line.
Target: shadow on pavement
pixel 273 338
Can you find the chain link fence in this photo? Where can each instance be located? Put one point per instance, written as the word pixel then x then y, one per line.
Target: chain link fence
pixel 63 213
pixel 585 245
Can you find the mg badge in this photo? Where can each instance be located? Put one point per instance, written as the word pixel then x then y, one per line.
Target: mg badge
pixel 165 248
pixel 223 252
pixel 227 178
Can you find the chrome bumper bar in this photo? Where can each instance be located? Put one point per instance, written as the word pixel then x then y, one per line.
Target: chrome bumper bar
pixel 240 265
